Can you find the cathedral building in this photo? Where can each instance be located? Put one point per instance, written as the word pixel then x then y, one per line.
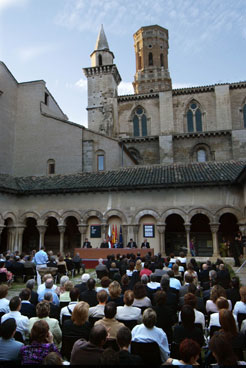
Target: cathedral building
pixel 166 164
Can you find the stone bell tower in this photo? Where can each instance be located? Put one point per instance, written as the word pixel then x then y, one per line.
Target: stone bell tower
pixel 103 79
pixel 151 50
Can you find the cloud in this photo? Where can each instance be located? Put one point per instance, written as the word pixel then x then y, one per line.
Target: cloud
pixel 32 52
pixel 125 88
pixel 82 83
pixel 5 4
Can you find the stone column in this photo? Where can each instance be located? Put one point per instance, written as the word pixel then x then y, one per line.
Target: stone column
pixel 214 229
pixel 19 237
pixel 61 229
pixel 41 229
pixel 135 232
pixel 187 229
pixel 242 228
pixel 161 230
pixel 1 229
pixel 104 228
pixel 82 229
pixel 124 234
pixel 13 238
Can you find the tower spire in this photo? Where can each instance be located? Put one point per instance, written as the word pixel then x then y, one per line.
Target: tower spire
pixel 102 43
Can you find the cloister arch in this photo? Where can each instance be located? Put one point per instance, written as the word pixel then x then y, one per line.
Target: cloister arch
pixel 145 212
pixel 74 214
pixel 117 213
pixel 200 232
pixel 52 235
pixel 30 240
pixel 175 234
pixel 228 226
pixel 71 235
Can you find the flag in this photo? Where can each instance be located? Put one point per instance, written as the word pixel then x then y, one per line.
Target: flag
pixel 113 237
pixel 109 236
pixel 121 236
pixel 116 236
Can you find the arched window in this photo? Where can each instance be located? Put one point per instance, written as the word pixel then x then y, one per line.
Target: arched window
pixel 140 123
pixel 244 116
pixel 150 59
pixel 201 155
pixel 100 160
pixel 194 118
pixel 161 59
pixel 51 166
pixel 100 60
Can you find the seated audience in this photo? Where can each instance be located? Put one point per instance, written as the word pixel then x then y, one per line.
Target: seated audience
pixel 42 286
pixel 89 352
pixel 22 322
pixel 223 276
pixel 203 276
pixel 128 312
pixel 184 288
pixel 52 262
pixel 182 258
pixel 54 309
pixel 105 281
pixel 109 321
pixel 78 263
pixel 78 325
pixel 61 262
pixel 125 282
pixel 115 293
pixel 147 332
pixel 34 295
pixel 4 302
pixel 222 350
pixel 176 272
pixel 152 284
pixel 215 293
pixel 9 274
pixel 189 352
pixel 90 295
pixel 140 296
pixel 65 296
pixel 53 359
pixel 43 311
pixel 83 285
pixel 68 309
pixel 101 266
pixel 171 297
pixel 41 344
pixel 221 303
pixel 130 269
pixel 187 329
pixel 27 309
pixel 190 299
pixel 9 347
pixel 123 339
pixel 166 317
pixel 232 293
pixel 98 310
pixel 49 283
pixel 240 307
pixel 61 289
pixel 145 270
pixel 190 271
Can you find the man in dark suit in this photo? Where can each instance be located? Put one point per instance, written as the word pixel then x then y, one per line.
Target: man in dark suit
pixel 87 244
pixel 27 309
pixel 89 296
pixel 104 244
pixel 145 244
pixel 54 309
pixel 131 244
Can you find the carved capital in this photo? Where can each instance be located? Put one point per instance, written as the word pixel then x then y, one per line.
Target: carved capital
pixel 135 229
pixel 187 227
pixel 161 228
pixel 61 229
pixel 41 228
pixel 82 228
pixel 214 227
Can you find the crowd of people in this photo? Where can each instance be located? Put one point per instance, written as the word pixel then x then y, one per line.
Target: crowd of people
pixel 191 313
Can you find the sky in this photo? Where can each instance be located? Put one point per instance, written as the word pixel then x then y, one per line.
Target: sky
pixel 53 39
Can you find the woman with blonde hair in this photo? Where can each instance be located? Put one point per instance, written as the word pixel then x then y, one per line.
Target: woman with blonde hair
pixel 115 294
pixel 240 307
pixel 191 272
pixel 215 293
pixel 78 325
pixel 65 296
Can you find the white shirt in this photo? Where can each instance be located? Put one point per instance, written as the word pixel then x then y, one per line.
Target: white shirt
pixel 239 307
pixel 65 311
pixel 97 311
pixel 42 287
pixel 174 283
pixel 140 333
pixel 182 260
pixel 153 285
pixel 212 307
pixel 215 321
pixel 129 313
pixel 144 302
pixel 4 305
pixel 22 322
pixel 199 317
pixel 99 288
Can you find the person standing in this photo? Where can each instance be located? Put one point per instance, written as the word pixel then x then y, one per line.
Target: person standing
pixel 40 259
pixel 192 248
pixel 239 243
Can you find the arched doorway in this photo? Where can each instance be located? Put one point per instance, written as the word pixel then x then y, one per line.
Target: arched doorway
pixel 71 235
pixel 6 236
pixel 201 233
pixel 52 235
pixel 228 227
pixel 30 236
pixel 175 235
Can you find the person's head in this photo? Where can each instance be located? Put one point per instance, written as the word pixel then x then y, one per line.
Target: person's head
pixel 110 310
pixel 43 309
pixel 227 322
pixel 160 297
pixel 170 273
pixel 138 265
pixel 63 280
pixel 139 290
pixel 100 261
pixel 2 264
pixel 189 351
pixel 25 294
pixel 61 258
pixel 74 294
pixel 187 315
pixel 190 299
pixel 85 277
pixel 49 283
pixel 222 303
pixel 149 318
pixel 181 254
pixel 15 303
pixel 188 279
pixel 165 282
pixel 98 335
pixel 144 279
pixel 48 297
pixel 129 297
pixel 222 350
pixel 124 280
pixel 204 266
pixel 3 291
pixel 102 296
pixel 114 289
pixel 190 267
pixel 152 277
pixel 8 328
pixel 235 282
pixel 216 292
pixel 146 265
pixel 40 332
pixel 105 281
pixel 242 292
pixel 52 359
pixel 91 283
pixel 80 313
pixel 30 284
pixel 124 337
pixel 109 357
pixel 46 277
pixel 175 268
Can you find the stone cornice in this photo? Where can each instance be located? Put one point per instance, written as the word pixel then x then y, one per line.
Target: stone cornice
pixel 139 139
pixel 104 69
pixel 137 97
pixel 202 134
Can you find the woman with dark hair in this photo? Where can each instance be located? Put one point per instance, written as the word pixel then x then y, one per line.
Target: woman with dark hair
pixel 222 350
pixel 140 298
pixel 3 269
pixel 41 344
pixel 215 293
pixel 194 264
pixel 124 283
pixel 189 352
pixel 105 281
pixel 166 317
pixel 233 292
pixel 187 329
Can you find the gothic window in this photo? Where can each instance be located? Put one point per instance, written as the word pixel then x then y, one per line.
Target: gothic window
pixel 100 60
pixel 161 59
pixel 51 166
pixel 140 123
pixel 194 118
pixel 150 59
pixel 244 116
